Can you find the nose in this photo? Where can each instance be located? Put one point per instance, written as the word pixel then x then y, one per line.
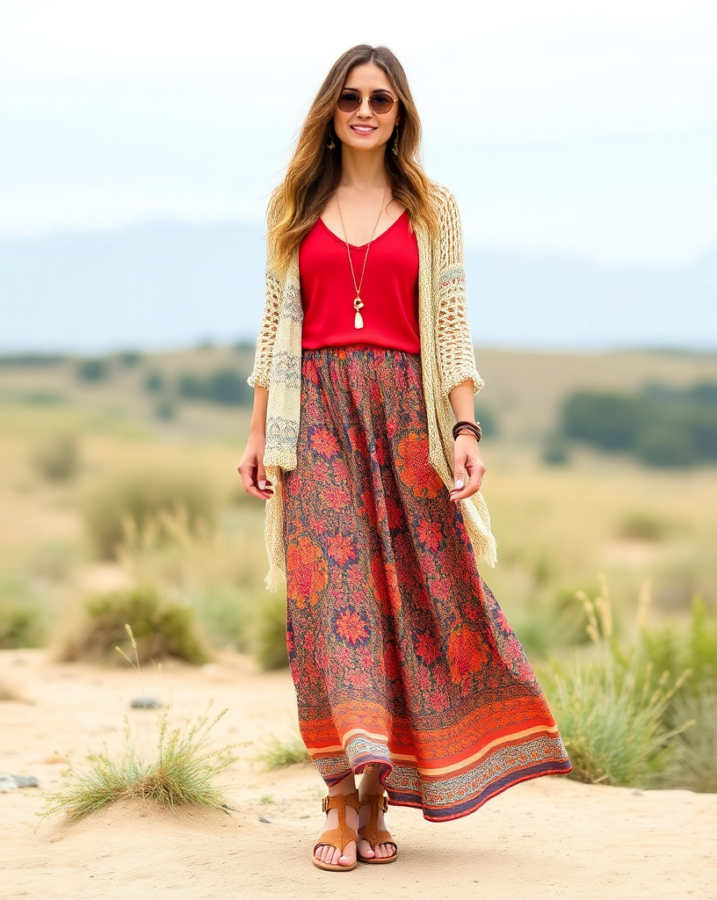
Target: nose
pixel 365 108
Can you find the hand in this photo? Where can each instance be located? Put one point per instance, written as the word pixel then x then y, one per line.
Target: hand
pixel 251 468
pixel 468 467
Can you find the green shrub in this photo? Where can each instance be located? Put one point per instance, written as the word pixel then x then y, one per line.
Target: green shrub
pixel 555 451
pixel 57 457
pixel 153 382
pixel 165 410
pixel 20 626
pixel 694 764
pixel 664 443
pixel 550 622
pixel 190 386
pixel 227 387
pixel 271 649
pixel 139 500
pixel 23 617
pixel 669 648
pixel 161 626
pixel 226 613
pixel 129 358
pixel 92 370
pixel 605 420
pixel 487 419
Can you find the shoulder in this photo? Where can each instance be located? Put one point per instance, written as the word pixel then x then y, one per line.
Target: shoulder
pixel 445 203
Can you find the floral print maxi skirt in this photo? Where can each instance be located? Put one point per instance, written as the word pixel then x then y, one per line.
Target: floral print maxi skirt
pixel 400 654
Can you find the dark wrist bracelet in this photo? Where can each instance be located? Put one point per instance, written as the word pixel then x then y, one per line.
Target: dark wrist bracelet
pixel 471 427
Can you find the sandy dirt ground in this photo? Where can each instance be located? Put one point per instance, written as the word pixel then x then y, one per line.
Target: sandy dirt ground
pixel 549 837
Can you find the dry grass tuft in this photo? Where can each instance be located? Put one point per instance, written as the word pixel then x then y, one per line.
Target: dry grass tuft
pixel 282 752
pixel 610 713
pixel 181 770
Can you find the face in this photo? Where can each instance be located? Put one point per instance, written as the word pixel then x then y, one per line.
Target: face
pixel 364 129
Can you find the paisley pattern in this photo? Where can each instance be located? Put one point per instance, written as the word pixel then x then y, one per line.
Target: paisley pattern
pixel 400 654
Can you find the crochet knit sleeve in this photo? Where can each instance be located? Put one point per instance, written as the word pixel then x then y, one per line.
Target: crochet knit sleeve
pixel 270 319
pixel 455 344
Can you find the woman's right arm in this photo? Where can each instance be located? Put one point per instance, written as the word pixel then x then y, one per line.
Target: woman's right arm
pixel 251 467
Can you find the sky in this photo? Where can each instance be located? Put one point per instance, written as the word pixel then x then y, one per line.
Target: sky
pixel 561 126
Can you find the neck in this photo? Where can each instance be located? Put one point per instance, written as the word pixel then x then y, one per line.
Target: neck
pixel 363 169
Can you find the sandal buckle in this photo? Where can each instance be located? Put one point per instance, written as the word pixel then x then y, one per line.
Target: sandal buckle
pixel 325 804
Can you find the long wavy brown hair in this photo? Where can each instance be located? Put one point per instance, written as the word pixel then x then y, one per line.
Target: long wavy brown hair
pixel 314 172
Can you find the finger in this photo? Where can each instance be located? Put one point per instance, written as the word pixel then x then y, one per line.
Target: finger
pixel 476 475
pixel 470 484
pixel 249 481
pixel 260 475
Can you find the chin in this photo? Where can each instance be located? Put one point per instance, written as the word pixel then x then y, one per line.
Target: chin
pixel 361 144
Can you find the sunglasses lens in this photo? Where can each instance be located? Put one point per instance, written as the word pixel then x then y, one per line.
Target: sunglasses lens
pixel 381 102
pixel 349 101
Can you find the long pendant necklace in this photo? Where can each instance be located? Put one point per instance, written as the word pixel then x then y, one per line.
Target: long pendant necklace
pixel 358 302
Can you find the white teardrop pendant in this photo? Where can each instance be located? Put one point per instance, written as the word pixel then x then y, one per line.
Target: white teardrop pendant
pixel 358 318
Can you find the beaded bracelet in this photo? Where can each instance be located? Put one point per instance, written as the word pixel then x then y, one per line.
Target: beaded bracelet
pixel 464 427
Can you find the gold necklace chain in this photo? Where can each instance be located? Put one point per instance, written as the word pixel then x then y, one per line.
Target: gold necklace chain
pixel 358 302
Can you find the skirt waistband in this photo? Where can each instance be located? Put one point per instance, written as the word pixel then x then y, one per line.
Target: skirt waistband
pixel 345 350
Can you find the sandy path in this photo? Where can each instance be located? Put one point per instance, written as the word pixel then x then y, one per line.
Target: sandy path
pixel 550 837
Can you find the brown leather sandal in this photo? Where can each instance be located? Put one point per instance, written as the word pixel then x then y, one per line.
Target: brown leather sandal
pixel 338 837
pixel 371 833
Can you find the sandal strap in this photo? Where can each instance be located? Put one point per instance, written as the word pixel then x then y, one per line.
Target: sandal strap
pixel 340 801
pixel 339 837
pixel 336 837
pixel 370 832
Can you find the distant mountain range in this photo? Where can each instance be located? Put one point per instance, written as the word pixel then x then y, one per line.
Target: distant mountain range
pixel 163 284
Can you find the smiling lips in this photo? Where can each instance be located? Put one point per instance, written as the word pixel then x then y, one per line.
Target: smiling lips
pixel 363 129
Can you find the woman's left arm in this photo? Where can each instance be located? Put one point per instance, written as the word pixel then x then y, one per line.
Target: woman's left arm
pixel 468 465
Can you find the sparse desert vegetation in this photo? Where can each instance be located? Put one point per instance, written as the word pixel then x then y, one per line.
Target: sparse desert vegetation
pixel 115 514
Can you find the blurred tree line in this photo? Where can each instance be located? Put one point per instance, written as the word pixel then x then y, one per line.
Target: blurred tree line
pixel 659 425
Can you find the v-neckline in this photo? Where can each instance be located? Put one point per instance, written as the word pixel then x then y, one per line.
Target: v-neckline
pixel 361 246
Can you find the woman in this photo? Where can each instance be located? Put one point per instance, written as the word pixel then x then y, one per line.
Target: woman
pixel 364 442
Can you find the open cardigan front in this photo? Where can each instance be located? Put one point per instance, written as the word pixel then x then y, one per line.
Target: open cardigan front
pixel 447 360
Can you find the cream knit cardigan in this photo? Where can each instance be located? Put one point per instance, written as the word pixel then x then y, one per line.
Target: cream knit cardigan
pixel 447 359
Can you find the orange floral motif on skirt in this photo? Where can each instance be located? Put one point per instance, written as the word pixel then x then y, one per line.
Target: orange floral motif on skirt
pixel 400 654
pixel 308 568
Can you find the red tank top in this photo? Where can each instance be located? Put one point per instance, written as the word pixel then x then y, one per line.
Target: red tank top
pixel 389 290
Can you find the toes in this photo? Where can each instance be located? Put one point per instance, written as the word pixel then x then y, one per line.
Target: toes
pixel 365 848
pixel 348 858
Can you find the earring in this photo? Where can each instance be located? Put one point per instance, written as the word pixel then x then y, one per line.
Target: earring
pixel 331 145
pixel 395 142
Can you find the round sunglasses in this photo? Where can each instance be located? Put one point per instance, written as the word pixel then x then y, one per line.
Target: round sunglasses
pixel 380 102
